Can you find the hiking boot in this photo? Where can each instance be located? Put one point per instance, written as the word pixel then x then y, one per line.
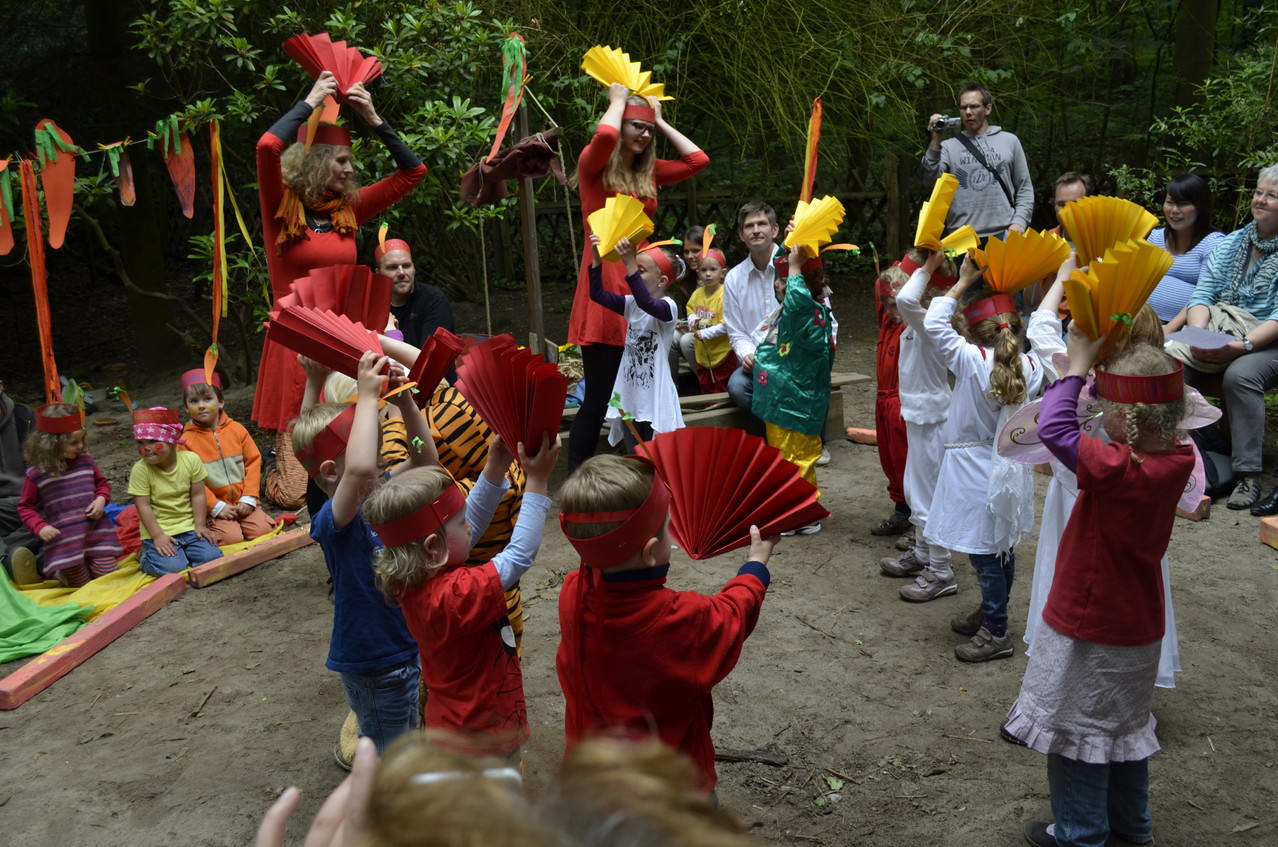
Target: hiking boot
pixel 347 739
pixel 928 586
pixel 810 529
pixel 23 562
pixel 1246 493
pixel 984 647
pixel 905 542
pixel 968 625
pixel 902 565
pixel 895 524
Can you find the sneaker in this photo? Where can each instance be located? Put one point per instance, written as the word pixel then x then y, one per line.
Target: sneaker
pixel 810 529
pixel 23 562
pixel 902 565
pixel 347 739
pixel 825 456
pixel 893 524
pixel 1007 736
pixel 968 625
pixel 1246 493
pixel 983 647
pixel 928 586
pixel 1040 834
pixel 905 542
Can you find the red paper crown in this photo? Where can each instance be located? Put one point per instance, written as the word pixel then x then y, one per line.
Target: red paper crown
pixel 1158 388
pixel 999 304
pixel 812 264
pixel 421 522
pixel 717 255
pixel 160 417
pixel 338 136
pixel 438 354
pixel 909 266
pixel 517 392
pixel 619 545
pixel 391 245
pixel 662 261
pixel 329 442
pixel 196 377
pixel 635 112
pixel 67 419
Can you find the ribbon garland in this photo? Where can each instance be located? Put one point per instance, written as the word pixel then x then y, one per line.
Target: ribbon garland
pixel 514 67
pixel 219 247
pixel 39 280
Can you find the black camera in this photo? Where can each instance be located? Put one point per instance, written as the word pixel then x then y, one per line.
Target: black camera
pixel 943 123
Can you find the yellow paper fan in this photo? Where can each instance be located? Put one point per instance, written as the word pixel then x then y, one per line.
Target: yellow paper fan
pixel 622 216
pixel 932 221
pixel 1115 287
pixel 608 65
pixel 1098 222
pixel 1022 260
pixel 815 223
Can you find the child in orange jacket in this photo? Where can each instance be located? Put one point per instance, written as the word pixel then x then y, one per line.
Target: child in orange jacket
pixel 230 456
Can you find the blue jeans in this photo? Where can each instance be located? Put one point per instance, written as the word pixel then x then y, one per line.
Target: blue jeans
pixel 189 549
pixel 994 571
pixel 384 701
pixel 1092 801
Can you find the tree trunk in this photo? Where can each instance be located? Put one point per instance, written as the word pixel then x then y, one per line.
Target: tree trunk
pixel 1195 47
pixel 141 232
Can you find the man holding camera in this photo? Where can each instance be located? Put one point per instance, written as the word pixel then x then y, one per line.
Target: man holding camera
pixel 995 193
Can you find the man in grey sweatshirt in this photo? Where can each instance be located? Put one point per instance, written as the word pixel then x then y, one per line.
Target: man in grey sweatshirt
pixel 981 200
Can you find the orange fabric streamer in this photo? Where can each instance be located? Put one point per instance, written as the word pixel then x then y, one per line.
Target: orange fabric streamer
pixel 810 155
pixel 219 244
pixel 39 280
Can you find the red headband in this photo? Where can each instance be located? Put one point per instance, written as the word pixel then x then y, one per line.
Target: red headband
pixel 717 255
pixel 664 267
pixel 196 377
pixel 810 265
pixel 999 304
pixel 391 244
pixel 639 113
pixel 329 442
pixel 616 546
pixel 421 522
pixel 909 266
pixel 338 136
pixel 59 424
pixel 1158 388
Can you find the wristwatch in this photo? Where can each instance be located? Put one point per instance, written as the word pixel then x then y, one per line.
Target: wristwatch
pixel 1247 345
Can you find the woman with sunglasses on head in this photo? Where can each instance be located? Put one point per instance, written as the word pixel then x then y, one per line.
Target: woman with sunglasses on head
pixel 620 159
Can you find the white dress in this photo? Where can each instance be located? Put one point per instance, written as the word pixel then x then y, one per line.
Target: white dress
pixel 1044 334
pixel 646 388
pixel 925 401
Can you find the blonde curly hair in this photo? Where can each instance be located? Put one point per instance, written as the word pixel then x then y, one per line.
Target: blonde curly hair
pixel 43 450
pixel 306 172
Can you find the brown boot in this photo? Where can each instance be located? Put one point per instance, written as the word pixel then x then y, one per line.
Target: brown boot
pixel 968 625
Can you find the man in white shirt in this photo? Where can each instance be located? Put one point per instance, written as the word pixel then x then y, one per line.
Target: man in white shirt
pixel 749 295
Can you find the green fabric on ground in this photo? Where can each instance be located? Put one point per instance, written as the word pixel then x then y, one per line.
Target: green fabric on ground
pixel 28 629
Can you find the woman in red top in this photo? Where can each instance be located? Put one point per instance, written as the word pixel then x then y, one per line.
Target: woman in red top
pixel 311 209
pixel 620 159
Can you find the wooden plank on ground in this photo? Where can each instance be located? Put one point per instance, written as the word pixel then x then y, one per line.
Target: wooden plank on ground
pixel 1269 531
pixel 217 570
pixel 59 660
pixel 1202 513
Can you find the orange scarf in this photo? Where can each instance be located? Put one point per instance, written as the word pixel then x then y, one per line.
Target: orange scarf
pixel 292 217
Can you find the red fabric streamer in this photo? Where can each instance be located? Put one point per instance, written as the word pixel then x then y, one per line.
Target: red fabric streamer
pixel 219 240
pixel 39 280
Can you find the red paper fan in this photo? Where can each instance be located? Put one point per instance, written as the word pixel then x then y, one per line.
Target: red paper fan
pixel 351 290
pixel 439 352
pixel 700 464
pixel 517 392
pixel 319 53
pixel 335 341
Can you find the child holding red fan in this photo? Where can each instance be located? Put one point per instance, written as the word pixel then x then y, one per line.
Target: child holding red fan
pixel 64 495
pixel 458 614
pixel 644 386
pixel 636 657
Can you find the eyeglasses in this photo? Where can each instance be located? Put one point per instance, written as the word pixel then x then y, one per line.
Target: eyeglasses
pixel 1267 196
pixel 641 128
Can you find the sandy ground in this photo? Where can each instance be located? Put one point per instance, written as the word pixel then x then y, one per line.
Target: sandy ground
pixel 185 729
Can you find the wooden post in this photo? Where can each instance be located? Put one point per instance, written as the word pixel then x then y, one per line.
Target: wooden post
pixel 892 183
pixel 532 261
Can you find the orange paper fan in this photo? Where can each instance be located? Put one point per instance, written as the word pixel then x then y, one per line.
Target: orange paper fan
pixel 438 354
pixel 351 290
pixel 622 216
pixel 932 221
pixel 1108 295
pixel 319 53
pixel 1098 222
pixel 1022 260
pixel 517 392
pixel 700 464
pixel 607 65
pixel 335 341
pixel 815 223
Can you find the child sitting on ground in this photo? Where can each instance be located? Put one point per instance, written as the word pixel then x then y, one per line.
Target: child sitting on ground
pixel 232 460
pixel 716 359
pixel 64 495
pixel 370 648
pixel 644 387
pixel 635 656
pixel 456 613
pixel 167 487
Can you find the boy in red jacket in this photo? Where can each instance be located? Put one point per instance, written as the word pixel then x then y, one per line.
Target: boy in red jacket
pixel 230 456
pixel 636 657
